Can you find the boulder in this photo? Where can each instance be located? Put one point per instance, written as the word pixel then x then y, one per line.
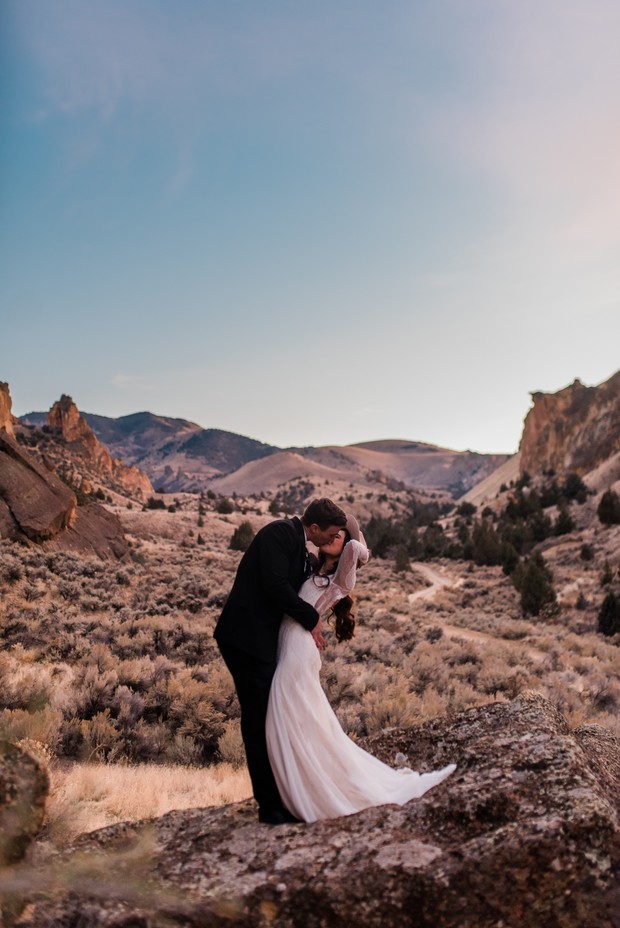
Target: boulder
pixel 36 502
pixel 95 531
pixel 525 834
pixel 23 790
pixel 35 505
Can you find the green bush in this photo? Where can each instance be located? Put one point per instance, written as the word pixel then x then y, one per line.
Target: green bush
pixel 402 558
pixel 533 580
pixel 587 552
pixel 241 537
pixel 224 506
pixel 153 503
pixel 466 509
pixel 486 546
pixel 609 508
pixel 564 524
pixel 609 615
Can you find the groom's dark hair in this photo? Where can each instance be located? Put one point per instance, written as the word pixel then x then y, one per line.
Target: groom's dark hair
pixel 324 512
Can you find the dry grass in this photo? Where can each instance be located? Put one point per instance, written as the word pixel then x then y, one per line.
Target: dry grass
pixel 85 797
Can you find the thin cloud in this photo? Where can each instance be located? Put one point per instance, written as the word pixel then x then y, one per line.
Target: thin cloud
pixel 123 381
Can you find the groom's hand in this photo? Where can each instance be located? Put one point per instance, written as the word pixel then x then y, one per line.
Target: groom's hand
pixel 317 634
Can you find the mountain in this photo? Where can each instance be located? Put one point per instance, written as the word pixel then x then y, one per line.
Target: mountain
pixel 406 464
pixel 179 455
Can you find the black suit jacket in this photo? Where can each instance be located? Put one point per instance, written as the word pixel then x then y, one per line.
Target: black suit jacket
pixel 265 589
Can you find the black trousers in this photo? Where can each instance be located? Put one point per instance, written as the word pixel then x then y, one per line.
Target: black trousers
pixel 252 679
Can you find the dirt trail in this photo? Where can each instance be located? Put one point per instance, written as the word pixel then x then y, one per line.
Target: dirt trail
pixel 438 581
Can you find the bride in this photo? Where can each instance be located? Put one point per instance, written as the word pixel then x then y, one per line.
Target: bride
pixel 319 771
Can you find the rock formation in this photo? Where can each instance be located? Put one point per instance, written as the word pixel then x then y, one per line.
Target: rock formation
pixel 23 789
pixel 65 417
pixel 33 501
pixel 525 833
pixel 575 429
pixel 6 417
pixel 37 506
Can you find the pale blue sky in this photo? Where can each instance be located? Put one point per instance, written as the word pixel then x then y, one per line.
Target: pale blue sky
pixel 310 222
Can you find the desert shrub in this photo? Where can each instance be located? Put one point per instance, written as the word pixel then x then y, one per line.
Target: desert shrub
pixel 95 691
pixel 230 745
pixel 608 509
pixel 191 712
pixel 533 580
pixel 586 552
pixel 184 750
pixel 609 615
pixel 99 736
pixel 224 506
pixel 242 537
pixel 11 570
pixel 153 503
pixel 42 726
pixel 388 706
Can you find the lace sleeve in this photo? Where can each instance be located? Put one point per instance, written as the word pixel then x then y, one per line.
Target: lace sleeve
pixel 343 581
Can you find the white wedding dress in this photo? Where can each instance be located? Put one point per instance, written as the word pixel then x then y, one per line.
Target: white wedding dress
pixel 319 771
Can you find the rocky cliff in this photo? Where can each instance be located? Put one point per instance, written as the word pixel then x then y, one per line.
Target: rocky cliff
pixel 65 417
pixel 6 417
pixel 575 429
pixel 525 834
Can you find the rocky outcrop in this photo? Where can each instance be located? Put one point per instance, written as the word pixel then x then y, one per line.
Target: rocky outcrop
pixel 35 505
pixel 6 416
pixel 65 417
pixel 23 790
pixel 33 502
pixel 525 833
pixel 576 429
pixel 95 531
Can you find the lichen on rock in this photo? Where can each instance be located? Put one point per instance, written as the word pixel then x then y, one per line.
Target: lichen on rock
pixel 525 833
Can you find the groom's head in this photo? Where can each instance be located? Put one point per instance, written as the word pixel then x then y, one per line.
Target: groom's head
pixel 322 521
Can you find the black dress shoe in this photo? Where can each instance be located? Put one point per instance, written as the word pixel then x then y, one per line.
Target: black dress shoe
pixel 277 817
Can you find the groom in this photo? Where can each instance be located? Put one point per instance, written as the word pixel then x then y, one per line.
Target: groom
pixel 265 589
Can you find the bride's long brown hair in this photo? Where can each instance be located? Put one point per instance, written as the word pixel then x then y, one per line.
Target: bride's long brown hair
pixel 345 618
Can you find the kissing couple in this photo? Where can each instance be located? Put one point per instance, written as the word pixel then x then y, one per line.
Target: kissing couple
pixel 302 765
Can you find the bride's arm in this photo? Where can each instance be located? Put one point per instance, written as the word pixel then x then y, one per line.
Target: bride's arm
pixel 343 581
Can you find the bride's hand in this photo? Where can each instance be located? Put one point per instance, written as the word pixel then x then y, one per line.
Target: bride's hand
pixel 317 634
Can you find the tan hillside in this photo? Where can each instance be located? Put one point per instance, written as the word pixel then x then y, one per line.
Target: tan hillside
pixel 490 486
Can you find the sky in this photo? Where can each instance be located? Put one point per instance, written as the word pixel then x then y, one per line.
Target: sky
pixel 310 221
